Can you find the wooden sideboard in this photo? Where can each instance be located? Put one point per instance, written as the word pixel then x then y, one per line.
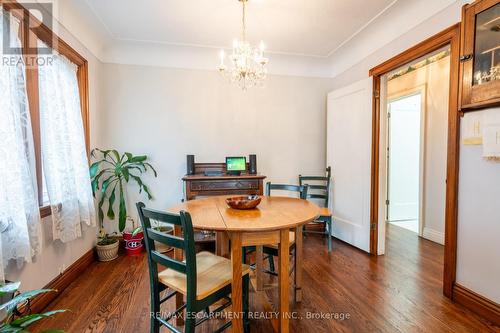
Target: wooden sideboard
pixel 201 185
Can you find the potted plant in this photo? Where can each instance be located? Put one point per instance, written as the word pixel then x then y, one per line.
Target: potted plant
pixel 109 176
pixel 133 239
pixel 11 320
pixel 107 246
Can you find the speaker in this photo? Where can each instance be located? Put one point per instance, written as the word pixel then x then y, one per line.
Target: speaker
pixel 253 164
pixel 190 164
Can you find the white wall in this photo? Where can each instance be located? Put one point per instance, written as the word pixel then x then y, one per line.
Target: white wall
pixel 56 256
pixel 478 267
pixel 168 113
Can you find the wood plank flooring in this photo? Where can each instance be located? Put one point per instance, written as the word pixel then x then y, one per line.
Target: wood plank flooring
pixel 398 292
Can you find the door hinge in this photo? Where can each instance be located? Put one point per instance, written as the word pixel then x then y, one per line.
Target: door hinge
pixel 374 226
pixel 388 115
pixel 376 94
pixel 387 202
pixel 465 57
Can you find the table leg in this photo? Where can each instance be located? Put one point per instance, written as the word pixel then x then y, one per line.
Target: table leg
pixel 298 264
pixel 222 244
pixel 284 280
pixel 237 285
pixel 259 265
pixel 179 298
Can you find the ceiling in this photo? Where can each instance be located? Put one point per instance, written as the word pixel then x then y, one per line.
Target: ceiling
pixel 298 27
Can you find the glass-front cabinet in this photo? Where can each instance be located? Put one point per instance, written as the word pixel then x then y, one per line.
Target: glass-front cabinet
pixel 480 55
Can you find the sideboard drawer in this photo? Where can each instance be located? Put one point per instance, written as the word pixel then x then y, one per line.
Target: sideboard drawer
pixel 222 185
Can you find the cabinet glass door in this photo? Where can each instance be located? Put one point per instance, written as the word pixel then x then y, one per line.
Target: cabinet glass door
pixel 487 46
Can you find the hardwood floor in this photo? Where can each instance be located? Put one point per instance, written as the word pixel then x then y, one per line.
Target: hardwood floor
pixel 399 292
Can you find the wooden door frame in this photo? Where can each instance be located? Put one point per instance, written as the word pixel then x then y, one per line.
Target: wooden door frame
pixel 450 36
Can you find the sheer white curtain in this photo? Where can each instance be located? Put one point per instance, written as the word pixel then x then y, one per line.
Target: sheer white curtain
pixel 63 149
pixel 20 232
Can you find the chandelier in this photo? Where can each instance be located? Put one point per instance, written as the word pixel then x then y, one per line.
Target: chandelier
pixel 247 65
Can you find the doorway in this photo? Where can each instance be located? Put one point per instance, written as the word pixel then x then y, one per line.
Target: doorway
pixel 451 37
pixel 415 107
pixel 404 160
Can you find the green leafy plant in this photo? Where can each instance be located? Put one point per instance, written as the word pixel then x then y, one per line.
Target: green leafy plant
pixel 109 176
pixel 12 324
pixel 105 238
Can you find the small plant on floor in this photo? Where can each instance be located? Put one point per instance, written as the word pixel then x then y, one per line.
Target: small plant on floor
pixel 109 176
pixel 11 320
pixel 106 239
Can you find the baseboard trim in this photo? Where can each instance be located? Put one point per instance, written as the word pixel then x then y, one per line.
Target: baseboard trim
pixel 62 281
pixel 433 235
pixel 477 303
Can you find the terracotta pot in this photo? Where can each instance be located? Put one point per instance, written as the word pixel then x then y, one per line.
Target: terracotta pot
pixel 107 252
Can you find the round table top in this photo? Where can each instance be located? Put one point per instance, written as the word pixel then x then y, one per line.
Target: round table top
pixel 273 213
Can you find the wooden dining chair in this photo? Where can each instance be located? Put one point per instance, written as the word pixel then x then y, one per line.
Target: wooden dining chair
pixel 202 278
pixel 320 192
pixel 271 250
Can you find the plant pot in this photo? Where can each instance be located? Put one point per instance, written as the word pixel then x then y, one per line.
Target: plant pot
pixel 108 252
pixel 133 244
pixel 160 247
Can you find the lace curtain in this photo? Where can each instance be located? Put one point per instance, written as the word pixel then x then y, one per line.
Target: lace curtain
pixel 63 149
pixel 20 233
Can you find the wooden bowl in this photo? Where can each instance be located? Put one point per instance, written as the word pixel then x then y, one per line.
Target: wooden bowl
pixel 243 202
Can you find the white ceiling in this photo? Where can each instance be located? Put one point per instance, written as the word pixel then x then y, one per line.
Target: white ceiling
pixel 299 27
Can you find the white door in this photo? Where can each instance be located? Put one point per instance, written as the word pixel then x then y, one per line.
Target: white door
pixel 349 135
pixel 404 164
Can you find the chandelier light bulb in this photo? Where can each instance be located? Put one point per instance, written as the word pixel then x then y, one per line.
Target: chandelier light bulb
pixel 246 63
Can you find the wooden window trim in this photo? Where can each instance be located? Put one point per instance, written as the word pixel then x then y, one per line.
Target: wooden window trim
pixel 32 29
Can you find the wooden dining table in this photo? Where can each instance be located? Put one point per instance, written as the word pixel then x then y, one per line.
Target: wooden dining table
pixel 269 223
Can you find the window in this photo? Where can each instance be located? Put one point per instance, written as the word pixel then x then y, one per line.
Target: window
pixel 33 34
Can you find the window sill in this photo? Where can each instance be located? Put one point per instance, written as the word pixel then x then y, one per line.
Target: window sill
pixel 45 211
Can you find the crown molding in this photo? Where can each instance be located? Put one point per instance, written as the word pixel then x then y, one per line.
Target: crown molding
pixel 204 58
pixel 357 32
pixel 398 20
